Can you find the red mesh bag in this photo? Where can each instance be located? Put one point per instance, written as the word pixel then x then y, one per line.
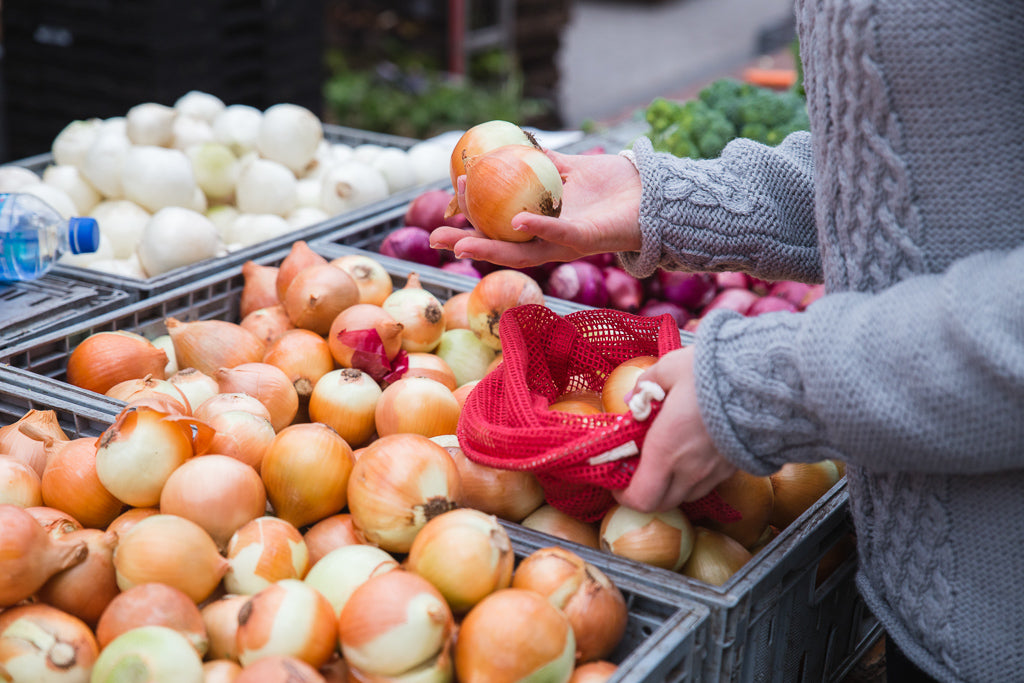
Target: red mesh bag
pixel 578 459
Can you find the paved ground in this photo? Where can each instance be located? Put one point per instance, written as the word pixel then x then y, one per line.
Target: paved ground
pixel 617 55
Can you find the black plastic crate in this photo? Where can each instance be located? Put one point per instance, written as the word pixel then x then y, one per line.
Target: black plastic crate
pixel 80 413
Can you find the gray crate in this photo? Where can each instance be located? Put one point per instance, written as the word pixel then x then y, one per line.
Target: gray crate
pixel 33 307
pixel 772 621
pixel 80 413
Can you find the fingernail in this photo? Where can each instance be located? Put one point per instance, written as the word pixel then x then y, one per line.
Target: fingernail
pixel 518 227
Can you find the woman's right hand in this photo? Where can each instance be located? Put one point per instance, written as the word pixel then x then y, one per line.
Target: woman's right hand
pixel 600 213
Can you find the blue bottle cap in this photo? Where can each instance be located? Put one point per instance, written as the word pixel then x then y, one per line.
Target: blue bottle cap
pixel 84 235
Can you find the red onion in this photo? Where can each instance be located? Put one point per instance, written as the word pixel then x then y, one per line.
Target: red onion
pixel 579 281
pixel 411 243
pixel 734 298
pixel 732 279
pixel 813 294
pixel 656 307
pixel 462 267
pixel 600 260
pixel 689 290
pixel 769 303
pixel 625 292
pixel 427 209
pixel 793 292
pixel 759 286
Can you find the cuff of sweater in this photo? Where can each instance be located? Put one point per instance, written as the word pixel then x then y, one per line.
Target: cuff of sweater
pixel 750 392
pixel 643 263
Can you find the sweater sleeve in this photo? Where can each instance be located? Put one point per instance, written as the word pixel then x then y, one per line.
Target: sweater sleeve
pixel 926 376
pixel 750 210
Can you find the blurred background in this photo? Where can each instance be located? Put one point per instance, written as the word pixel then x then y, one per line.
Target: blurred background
pixel 408 67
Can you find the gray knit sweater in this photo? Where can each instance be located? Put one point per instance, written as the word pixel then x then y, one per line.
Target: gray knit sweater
pixel 907 200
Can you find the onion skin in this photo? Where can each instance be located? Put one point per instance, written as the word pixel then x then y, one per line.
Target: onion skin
pixel 364 317
pixel 260 288
pixel 331 533
pixel 797 486
pixel 662 539
pixel 299 257
pixel 493 295
pixel 411 243
pixel 753 497
pixel 346 400
pixel 207 345
pixel 455 315
pixel 692 291
pixel 42 643
pixel 715 557
pixel 594 672
pixel 263 551
pixel 220 617
pixel 241 435
pixel 372 279
pixel 153 604
pixel 107 358
pixel 304 356
pixel 265 382
pixel 86 589
pixel 625 292
pixel 29 556
pixel 416 405
pixel 57 523
pixel 341 571
pixel 482 138
pixel 268 323
pixel 512 634
pixel 153 653
pixel 655 307
pixel 621 381
pixel 287 618
pixel 317 294
pixel 19 484
pixel 550 520
pixel 124 522
pixel 278 669
pixel 29 438
pixel 579 281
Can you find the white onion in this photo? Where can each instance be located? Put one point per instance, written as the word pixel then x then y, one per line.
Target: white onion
pixel 156 177
pixel 122 221
pixel 393 163
pixel 150 123
pixel 74 140
pixel 157 654
pixel 429 160
pixel 304 216
pixel 163 341
pixel 238 127
pixel 104 160
pixel 266 186
pixel 216 169
pixel 201 105
pixel 189 130
pixel 104 252
pixel 307 191
pixel 126 267
pixel 252 228
pixel 54 196
pixel 176 237
pixel 69 179
pixel 223 216
pixel 13 178
pixel 350 185
pixel 366 152
pixel 290 135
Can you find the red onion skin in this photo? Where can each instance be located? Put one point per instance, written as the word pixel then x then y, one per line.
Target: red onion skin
pixel 462 267
pixel 732 279
pixel 759 286
pixel 813 294
pixel 411 243
pixel 656 307
pixel 427 209
pixel 734 299
pixel 625 292
pixel 579 281
pixel 794 292
pixel 600 260
pixel 692 291
pixel 770 303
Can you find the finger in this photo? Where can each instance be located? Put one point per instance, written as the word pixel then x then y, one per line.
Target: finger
pixel 512 254
pixel 563 162
pixel 645 490
pixel 446 236
pixel 549 228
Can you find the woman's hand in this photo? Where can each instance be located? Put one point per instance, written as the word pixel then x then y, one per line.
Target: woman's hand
pixel 600 213
pixel 678 462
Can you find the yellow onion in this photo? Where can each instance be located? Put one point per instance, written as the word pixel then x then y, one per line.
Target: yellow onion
pixel 133 390
pixel 27 439
pixel 420 314
pixel 797 486
pixel 265 382
pixel 595 606
pixel 19 484
pixel 330 533
pixel 306 471
pixel 506 181
pixel 398 484
pixel 70 484
pixel 466 354
pixel 278 669
pixel 364 317
pixel 220 617
pixel 221 671
pixel 85 589
pixel 317 294
pixel 416 405
pixel 29 556
pixel 299 257
pixel 303 356
pixel 137 453
pixel 263 551
pixel 241 435
pixel 259 289
pixel 217 492
pixel 42 643
pixel 621 381
pixel 455 317
pixel 173 550
pixel 508 494
pixel 153 604
pixel 462 393
pixel 124 522
pixel 663 539
pixel 104 359
pixel 372 279
pixel 236 400
pixel 465 554
pixel 287 618
pixel 578 403
pixel 494 294
pixel 207 345
pixel 482 138
pixel 57 523
pixel 268 323
pixel 431 366
pixel 715 557
pixel 196 386
pixel 753 498
pixel 511 635
pixel 551 520
pixel 155 654
pixel 346 401
pixel 393 623
pixel 594 672
pixel 344 569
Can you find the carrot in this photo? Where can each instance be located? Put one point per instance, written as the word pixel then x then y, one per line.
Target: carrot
pixel 777 78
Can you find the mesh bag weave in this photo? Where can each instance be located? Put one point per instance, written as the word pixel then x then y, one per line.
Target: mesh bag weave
pixel 578 459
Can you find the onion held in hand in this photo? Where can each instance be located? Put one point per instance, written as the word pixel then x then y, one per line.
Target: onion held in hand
pixel 506 181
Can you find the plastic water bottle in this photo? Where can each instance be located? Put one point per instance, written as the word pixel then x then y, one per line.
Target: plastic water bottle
pixel 33 235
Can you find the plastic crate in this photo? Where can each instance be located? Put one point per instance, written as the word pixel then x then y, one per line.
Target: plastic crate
pixel 79 412
pixel 34 307
pixel 772 621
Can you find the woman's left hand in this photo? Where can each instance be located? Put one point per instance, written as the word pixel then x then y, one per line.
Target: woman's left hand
pixel 678 462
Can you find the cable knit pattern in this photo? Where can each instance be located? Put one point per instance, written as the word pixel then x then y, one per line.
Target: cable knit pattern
pixel 911 370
